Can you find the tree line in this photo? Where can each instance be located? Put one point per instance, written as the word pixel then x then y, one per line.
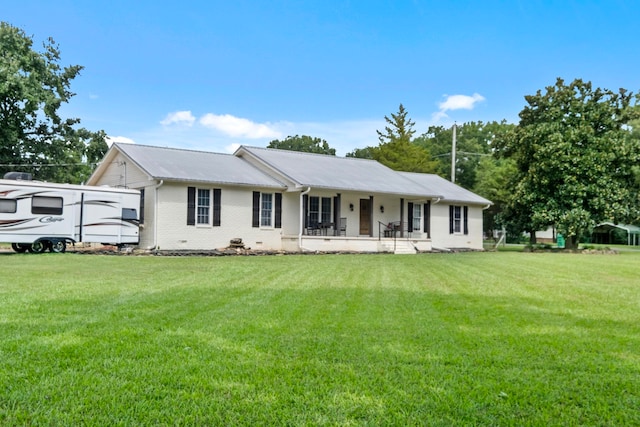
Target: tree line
pixel 571 162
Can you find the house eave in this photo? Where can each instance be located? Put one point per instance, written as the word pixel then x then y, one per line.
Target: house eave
pixel 218 182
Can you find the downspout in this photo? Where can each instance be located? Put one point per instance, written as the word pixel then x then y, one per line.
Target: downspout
pixel 155 214
pixel 437 200
pixel 302 194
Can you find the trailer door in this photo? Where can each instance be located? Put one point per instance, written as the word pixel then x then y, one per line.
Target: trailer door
pixel 100 214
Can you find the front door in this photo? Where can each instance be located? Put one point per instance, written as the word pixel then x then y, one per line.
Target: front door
pixel 365 217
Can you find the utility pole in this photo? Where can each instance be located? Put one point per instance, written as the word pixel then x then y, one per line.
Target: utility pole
pixel 453 155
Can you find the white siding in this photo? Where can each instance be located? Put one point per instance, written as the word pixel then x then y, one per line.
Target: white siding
pixel 235 221
pixel 440 236
pixel 291 213
pixel 123 173
pixel 167 228
pixel 147 236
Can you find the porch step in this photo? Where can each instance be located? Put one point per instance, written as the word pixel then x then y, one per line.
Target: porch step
pixel 404 247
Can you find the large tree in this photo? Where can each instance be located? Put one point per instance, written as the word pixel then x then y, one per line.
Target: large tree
pixel 399 128
pixel 304 143
pixel 397 150
pixel 575 159
pixel 34 137
pixel 493 177
pixel 473 142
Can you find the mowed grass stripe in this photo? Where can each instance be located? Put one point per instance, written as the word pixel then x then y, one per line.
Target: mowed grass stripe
pixel 437 339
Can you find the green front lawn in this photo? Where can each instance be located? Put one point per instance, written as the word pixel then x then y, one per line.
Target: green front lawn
pixel 498 338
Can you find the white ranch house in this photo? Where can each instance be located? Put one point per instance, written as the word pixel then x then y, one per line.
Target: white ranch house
pixel 289 201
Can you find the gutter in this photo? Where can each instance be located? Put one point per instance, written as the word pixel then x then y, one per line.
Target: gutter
pixel 302 194
pixel 155 214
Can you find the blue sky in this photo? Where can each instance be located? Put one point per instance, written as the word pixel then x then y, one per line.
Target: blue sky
pixel 211 75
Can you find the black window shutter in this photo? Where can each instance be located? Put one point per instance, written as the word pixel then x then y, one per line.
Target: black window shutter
pixel 256 209
pixel 410 216
pixel 427 218
pixel 191 205
pixel 451 219
pixel 142 206
pixel 465 220
pixel 217 206
pixel 278 212
pixel 305 209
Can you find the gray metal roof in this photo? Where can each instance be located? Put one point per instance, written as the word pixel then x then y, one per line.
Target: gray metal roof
pixel 303 169
pixel 197 166
pixel 449 191
pixel 339 173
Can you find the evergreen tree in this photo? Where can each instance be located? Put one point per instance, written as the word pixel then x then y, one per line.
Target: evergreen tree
pixel 396 149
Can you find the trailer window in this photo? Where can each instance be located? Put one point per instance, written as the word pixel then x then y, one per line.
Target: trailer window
pixel 8 206
pixel 129 214
pixel 46 205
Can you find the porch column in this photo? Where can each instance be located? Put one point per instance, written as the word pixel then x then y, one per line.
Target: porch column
pixel 402 217
pixel 336 210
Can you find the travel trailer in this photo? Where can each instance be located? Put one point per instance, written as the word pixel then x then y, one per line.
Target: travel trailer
pixel 39 216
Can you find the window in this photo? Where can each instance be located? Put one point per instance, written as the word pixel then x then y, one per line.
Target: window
pixel 326 210
pixel 203 206
pixel 8 206
pixel 314 211
pixel 199 206
pixel 417 216
pixel 129 214
pixel 319 210
pixel 266 209
pixel 44 205
pixel 457 219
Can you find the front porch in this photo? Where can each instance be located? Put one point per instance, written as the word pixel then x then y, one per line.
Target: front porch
pixel 363 244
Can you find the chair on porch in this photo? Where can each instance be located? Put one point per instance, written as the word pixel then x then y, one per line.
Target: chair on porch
pixel 342 227
pixel 392 229
pixel 313 228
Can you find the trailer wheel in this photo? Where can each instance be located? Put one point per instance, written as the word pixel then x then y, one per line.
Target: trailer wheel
pixel 58 246
pixel 19 247
pixel 38 247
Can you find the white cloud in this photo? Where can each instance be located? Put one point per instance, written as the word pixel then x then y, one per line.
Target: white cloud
pixel 238 127
pixel 457 102
pixel 231 148
pixel 119 139
pixel 179 117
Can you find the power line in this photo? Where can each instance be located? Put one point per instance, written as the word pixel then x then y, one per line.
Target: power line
pixel 463 152
pixel 36 165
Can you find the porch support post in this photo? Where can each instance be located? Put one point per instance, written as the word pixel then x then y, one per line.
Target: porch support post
pixel 337 211
pixel 401 217
pixel 301 229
